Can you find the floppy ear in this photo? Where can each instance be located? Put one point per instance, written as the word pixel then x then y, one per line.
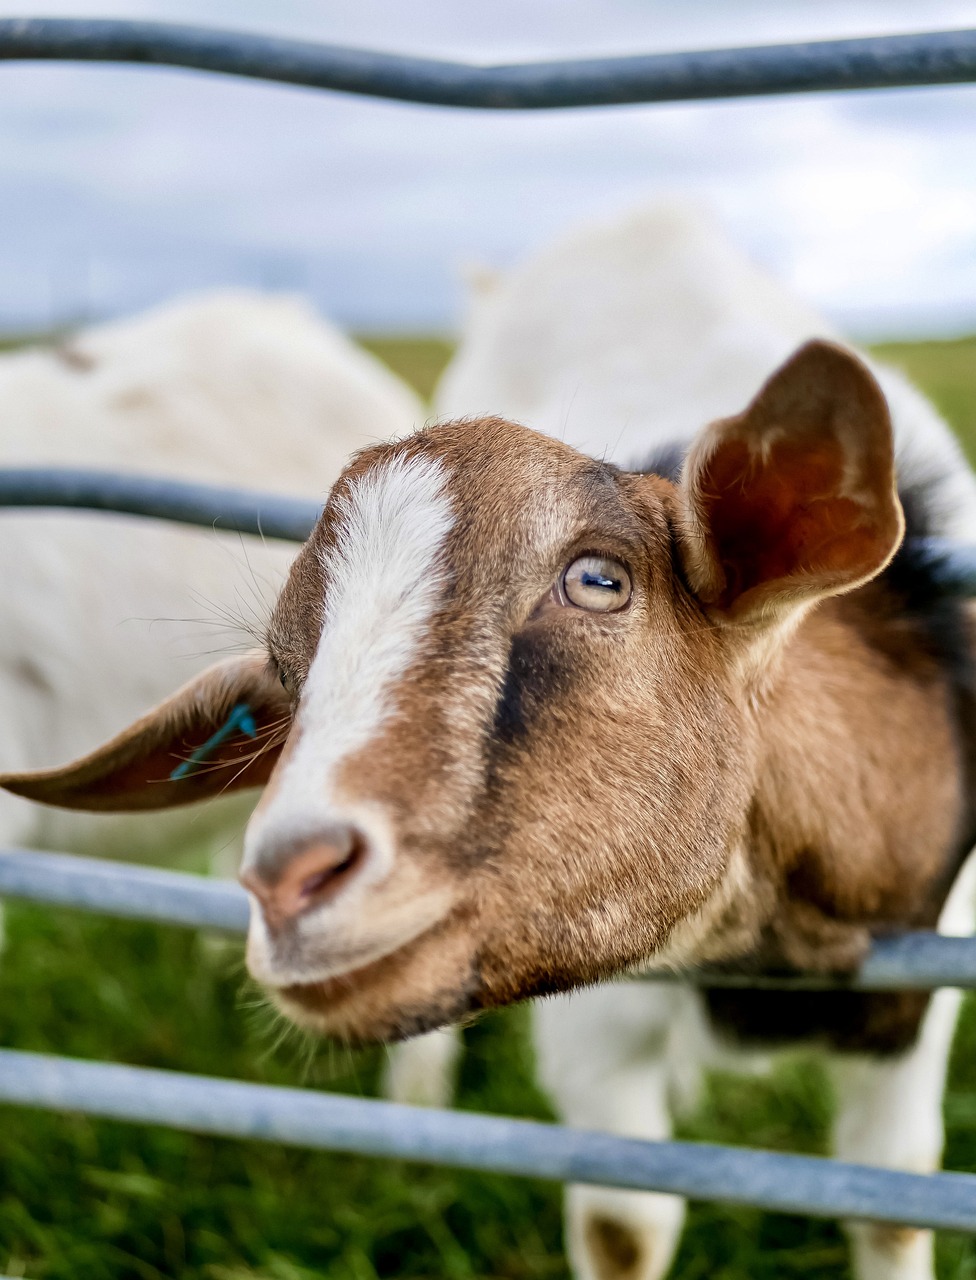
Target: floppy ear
pixel 219 733
pixel 795 498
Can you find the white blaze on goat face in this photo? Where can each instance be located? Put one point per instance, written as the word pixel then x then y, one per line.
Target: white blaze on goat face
pixel 382 581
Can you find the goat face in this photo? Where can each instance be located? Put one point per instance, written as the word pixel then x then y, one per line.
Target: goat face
pixel 506 771
pixel 515 745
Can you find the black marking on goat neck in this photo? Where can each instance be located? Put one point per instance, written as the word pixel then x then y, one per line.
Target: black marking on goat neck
pixel 846 1021
pixel 944 627
pixel 913 579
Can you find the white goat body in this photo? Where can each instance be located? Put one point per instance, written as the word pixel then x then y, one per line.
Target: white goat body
pixel 631 334
pixel 104 614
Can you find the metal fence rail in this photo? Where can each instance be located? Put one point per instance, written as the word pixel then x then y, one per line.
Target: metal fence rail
pixel 881 62
pixel 115 889
pixel 306 1118
pixel 909 961
pixel 272 515
pixel 309 1118
pixel 268 515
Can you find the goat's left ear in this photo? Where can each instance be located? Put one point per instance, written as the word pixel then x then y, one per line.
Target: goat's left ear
pixel 795 498
pixel 221 732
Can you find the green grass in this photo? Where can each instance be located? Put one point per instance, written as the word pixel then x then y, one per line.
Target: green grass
pixel 41 338
pixel 93 1199
pixel 105 1201
pixel 946 372
pixel 421 361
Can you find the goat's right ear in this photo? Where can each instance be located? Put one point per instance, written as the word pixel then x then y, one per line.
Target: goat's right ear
pixel 794 499
pixel 221 732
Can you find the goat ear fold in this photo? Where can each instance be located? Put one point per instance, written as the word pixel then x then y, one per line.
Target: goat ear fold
pixel 795 498
pixel 221 732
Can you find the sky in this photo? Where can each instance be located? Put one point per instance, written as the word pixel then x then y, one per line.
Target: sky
pixel 120 187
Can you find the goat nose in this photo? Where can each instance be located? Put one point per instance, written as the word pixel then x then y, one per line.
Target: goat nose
pixel 307 875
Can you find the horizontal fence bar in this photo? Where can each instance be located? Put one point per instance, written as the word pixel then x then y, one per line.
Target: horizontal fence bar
pixel 120 889
pixel 903 962
pixel 308 1118
pixel 273 515
pixel 910 961
pixel 211 506
pixel 878 62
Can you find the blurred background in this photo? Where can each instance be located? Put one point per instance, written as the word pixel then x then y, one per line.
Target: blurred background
pixel 124 187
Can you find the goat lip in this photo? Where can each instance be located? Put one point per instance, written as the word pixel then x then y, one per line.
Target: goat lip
pixel 325 1004
pixel 338 977
pixel 285 976
pixel 324 989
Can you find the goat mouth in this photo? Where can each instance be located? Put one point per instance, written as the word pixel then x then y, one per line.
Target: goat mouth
pixel 318 996
pixel 357 1007
pixel 390 998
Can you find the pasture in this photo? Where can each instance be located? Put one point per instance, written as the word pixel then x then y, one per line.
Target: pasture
pixel 107 1201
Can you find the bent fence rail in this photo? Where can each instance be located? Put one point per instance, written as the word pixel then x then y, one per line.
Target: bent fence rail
pixel 784 1183
pixel 880 62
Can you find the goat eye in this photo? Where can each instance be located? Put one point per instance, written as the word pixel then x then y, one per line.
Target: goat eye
pixel 596 583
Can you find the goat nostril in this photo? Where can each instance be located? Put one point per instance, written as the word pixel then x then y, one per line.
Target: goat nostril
pixel 306 877
pixel 326 881
pixel 315 884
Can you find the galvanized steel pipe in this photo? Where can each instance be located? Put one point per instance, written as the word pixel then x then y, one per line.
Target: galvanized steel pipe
pixel 910 961
pixel 271 515
pixel 876 62
pixel 207 505
pixel 307 1118
pixel 121 889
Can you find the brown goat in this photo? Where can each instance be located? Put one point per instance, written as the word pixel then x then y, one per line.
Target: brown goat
pixel 528 721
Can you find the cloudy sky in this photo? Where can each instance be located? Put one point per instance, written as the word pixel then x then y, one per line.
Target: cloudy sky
pixel 119 187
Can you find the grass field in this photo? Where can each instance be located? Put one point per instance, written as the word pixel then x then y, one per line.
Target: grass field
pixel 84 1200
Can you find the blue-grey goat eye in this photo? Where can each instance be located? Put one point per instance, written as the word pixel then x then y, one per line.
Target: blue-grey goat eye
pixel 595 583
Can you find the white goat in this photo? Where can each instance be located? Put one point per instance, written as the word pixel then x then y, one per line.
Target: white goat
pixel 619 339
pixel 229 388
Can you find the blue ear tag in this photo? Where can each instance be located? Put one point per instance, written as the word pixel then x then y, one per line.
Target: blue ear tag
pixel 239 719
